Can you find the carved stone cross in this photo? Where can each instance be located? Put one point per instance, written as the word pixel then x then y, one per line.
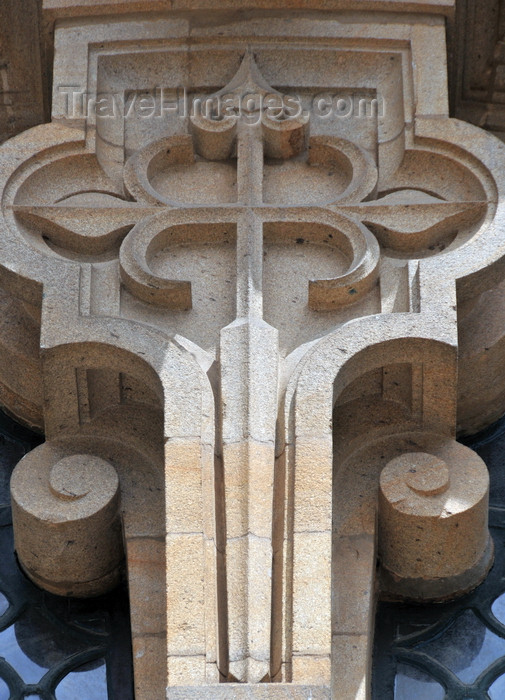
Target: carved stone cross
pixel 239 333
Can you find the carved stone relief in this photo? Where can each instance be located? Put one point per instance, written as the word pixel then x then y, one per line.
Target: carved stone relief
pixel 238 326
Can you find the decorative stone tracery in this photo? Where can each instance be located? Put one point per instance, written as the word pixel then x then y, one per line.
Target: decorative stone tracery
pixel 251 320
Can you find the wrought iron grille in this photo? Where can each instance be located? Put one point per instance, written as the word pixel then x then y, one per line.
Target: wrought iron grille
pixel 451 651
pixel 54 648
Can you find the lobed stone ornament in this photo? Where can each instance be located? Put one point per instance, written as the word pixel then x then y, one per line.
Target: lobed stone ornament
pixel 249 318
pixel 433 536
pixel 67 525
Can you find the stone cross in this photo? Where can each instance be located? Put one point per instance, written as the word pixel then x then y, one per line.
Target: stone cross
pixel 239 332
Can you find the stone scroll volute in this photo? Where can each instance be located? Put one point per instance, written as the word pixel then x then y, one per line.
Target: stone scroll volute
pixel 239 325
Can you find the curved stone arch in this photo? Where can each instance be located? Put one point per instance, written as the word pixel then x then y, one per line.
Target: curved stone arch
pixel 472 275
pixel 25 268
pixel 169 367
pixel 187 542
pixel 27 263
pixel 72 339
pixel 478 263
pixel 319 368
pixel 323 373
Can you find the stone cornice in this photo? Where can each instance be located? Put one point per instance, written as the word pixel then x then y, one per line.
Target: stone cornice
pixel 56 9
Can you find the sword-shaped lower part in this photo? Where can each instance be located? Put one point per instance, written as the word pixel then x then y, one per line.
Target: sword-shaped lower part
pixel 249 378
pixel 249 408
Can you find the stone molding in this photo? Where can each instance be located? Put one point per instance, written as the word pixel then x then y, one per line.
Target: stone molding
pixel 244 317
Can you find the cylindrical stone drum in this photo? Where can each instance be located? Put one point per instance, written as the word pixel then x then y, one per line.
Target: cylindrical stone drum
pixel 67 528
pixel 433 514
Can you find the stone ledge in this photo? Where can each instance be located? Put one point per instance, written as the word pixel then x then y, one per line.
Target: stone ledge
pixel 56 9
pixel 258 691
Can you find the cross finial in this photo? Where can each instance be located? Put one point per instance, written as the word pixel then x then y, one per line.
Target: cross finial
pixel 248 97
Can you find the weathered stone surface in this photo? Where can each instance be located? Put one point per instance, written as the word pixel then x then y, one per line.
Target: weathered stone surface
pixel 23 68
pixel 72 8
pixel 433 520
pixel 68 530
pixel 149 653
pixel 230 691
pixel 249 314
